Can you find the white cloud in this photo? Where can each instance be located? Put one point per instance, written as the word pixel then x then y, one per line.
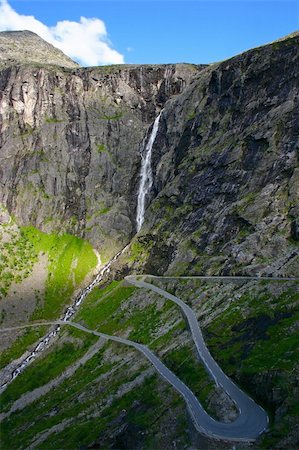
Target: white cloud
pixel 85 41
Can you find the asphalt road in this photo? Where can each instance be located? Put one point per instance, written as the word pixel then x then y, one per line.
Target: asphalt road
pixel 216 277
pixel 252 419
pixel 251 422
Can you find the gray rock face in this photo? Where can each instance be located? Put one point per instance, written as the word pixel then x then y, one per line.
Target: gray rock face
pixel 70 145
pixel 225 193
pixel 226 188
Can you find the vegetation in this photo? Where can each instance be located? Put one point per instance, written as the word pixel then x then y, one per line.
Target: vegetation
pixel 254 340
pixel 83 400
pixel 53 120
pixel 109 310
pixel 140 249
pixel 17 258
pixel 251 336
pixel 47 367
pixel 101 309
pixel 115 116
pixel 26 131
pixel 70 260
pixel 251 331
pixel 23 343
pixel 191 115
pixel 183 362
pixel 101 148
pixel 86 432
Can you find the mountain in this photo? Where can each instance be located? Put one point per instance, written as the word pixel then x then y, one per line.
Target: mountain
pixel 223 190
pixel 225 195
pixel 27 47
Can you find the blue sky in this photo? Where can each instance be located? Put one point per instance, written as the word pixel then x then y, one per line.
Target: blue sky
pixel 174 31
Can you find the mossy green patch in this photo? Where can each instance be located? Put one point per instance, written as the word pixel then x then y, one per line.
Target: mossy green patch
pixel 101 148
pixel 108 311
pixel 53 120
pixel 17 258
pixel 191 115
pixel 70 260
pixel 46 368
pixel 162 341
pixel 22 344
pixel 102 211
pixel 256 338
pixel 115 116
pixel 65 395
pixel 27 131
pixel 140 249
pixel 102 306
pixel 183 362
pixel 140 408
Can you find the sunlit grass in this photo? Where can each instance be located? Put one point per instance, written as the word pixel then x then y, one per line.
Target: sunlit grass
pixel 70 260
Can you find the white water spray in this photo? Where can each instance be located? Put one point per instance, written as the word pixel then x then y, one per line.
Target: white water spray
pixel 146 176
pixel 71 310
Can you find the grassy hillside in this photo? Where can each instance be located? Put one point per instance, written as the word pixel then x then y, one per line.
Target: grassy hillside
pixel 70 260
pixel 40 274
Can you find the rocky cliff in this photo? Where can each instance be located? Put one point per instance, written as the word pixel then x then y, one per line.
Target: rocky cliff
pixel 225 194
pixel 226 183
pixel 27 47
pixel 71 141
pixel 224 200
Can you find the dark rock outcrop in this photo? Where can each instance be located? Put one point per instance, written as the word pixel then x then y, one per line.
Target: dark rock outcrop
pixel 226 179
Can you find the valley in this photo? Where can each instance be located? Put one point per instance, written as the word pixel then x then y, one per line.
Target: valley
pixel 188 173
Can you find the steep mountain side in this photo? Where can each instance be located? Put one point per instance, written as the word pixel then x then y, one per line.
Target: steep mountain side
pixel 70 145
pixel 224 200
pixel 28 47
pixel 225 164
pixel 226 181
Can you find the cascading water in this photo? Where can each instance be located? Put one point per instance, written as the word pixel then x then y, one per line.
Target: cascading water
pixel 144 188
pixel 71 310
pixel 146 175
pixel 167 77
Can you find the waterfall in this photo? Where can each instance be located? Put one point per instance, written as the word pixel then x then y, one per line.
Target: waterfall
pixel 146 175
pixel 167 77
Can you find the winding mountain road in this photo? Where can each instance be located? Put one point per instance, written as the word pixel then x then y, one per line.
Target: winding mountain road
pixel 252 419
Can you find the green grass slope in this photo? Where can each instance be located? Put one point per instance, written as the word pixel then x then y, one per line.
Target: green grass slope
pixel 69 260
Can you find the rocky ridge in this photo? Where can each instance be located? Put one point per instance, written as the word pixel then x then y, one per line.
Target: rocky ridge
pixel 225 194
pixel 26 47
